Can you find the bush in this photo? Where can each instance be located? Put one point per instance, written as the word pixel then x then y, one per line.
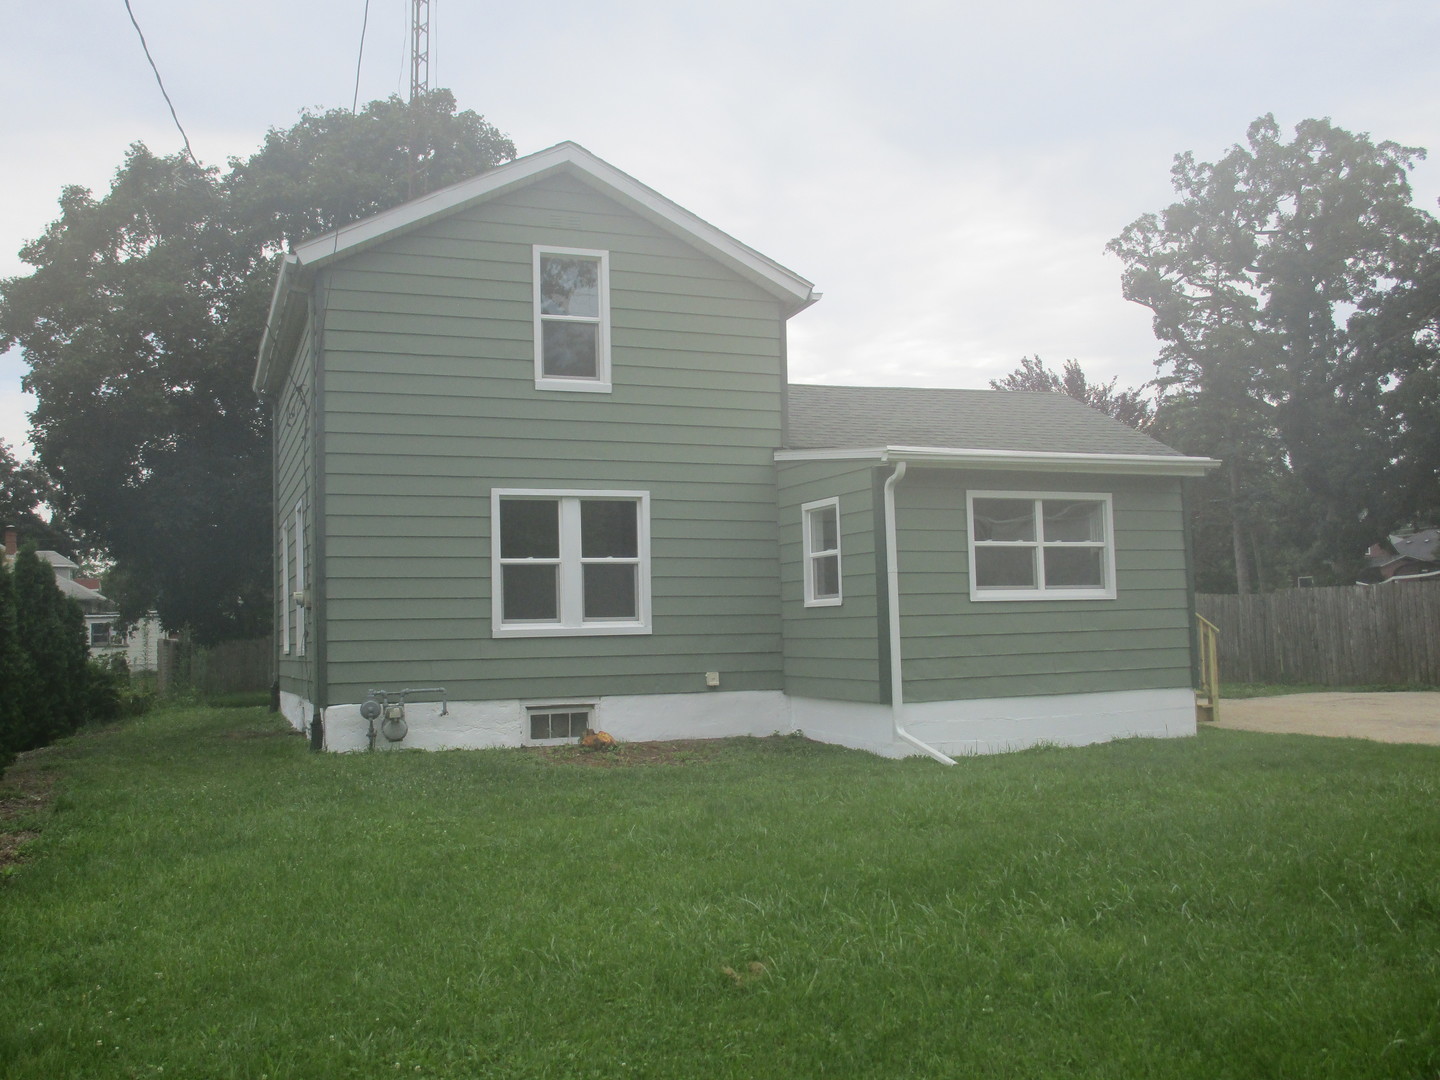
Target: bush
pixel 105 681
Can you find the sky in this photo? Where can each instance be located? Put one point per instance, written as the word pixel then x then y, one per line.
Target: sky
pixel 948 174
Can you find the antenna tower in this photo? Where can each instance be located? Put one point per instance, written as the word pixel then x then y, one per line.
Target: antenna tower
pixel 419 48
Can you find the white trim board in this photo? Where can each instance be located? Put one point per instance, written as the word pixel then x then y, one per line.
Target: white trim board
pixel 1119 464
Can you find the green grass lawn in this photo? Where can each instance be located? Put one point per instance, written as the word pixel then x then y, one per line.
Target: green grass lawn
pixel 206 898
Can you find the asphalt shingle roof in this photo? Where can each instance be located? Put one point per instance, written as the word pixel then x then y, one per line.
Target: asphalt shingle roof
pixel 854 417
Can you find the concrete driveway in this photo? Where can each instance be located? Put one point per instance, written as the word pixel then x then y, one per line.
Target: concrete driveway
pixel 1398 717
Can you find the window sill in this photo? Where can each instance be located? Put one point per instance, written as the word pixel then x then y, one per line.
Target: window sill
pixel 1037 594
pixel 574 386
pixel 550 630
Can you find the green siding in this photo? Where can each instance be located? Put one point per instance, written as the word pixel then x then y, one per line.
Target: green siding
pixel 958 649
pixel 293 419
pixel 832 653
pixel 431 403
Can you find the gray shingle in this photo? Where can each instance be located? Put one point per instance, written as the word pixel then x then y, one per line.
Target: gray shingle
pixel 851 417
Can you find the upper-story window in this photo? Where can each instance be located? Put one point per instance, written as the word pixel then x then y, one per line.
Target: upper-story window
pixel 1041 546
pixel 820 524
pixel 572 319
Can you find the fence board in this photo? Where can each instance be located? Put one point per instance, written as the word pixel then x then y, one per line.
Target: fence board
pixel 1348 635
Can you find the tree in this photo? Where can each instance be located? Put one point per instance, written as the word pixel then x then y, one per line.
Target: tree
pixel 1129 406
pixel 51 633
pixel 1252 277
pixel 24 489
pixel 14 673
pixel 141 321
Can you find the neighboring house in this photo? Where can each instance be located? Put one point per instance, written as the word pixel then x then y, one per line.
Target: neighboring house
pixel 140 645
pixel 1412 556
pixel 535 446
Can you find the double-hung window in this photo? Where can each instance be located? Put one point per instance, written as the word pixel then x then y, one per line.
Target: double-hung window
pixel 820 525
pixel 1041 546
pixel 572 319
pixel 570 562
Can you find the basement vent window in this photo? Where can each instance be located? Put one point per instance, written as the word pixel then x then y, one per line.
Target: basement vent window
pixel 558 723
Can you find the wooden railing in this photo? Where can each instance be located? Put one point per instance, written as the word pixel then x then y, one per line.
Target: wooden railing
pixel 1207 694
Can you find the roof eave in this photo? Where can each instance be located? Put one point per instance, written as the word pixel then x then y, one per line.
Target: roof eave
pixel 282 323
pixel 1031 460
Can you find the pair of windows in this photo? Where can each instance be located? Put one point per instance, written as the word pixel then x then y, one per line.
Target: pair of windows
pixel 1023 546
pixel 572 562
pixel 572 319
pixel 1038 546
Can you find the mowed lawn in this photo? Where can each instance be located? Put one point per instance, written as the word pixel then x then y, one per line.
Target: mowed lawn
pixel 207 898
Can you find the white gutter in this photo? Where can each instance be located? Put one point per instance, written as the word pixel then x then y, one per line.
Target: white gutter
pixel 1052 461
pixel 892 575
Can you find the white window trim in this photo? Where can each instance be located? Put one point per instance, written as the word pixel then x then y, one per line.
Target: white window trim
pixel 1105 592
pixel 570 623
pixel 299 579
pixel 530 708
pixel 601 383
pixel 285 597
pixel 811 553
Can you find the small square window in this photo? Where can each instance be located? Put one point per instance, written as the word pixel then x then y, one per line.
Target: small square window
pixel 820 525
pixel 572 319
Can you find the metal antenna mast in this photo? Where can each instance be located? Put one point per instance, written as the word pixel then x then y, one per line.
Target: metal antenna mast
pixel 419 48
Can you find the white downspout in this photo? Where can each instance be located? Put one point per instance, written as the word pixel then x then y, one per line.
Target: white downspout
pixel 892 575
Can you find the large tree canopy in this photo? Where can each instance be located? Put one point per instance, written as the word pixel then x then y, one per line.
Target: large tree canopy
pixel 1274 283
pixel 140 324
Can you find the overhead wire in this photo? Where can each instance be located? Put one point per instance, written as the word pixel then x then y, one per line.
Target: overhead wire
pixel 161 82
pixel 355 100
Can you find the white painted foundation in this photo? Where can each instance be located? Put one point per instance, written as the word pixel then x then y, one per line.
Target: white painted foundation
pixel 958 728
pixel 997 725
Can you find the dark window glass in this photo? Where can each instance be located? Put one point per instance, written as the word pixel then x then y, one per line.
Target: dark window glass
pixel 530 593
pixel 530 529
pixel 571 349
pixel 824 531
pixel 608 529
pixel 1074 568
pixel 1004 519
pixel 570 285
pixel 610 591
pixel 827 576
pixel 999 568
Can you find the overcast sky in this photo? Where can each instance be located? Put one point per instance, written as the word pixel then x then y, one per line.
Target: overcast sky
pixel 946 173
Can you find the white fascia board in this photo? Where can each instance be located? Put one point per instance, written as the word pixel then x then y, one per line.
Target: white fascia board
pixel 775 279
pixel 288 290
pixel 1124 464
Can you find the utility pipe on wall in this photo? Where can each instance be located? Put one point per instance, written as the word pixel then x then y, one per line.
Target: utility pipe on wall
pixel 892 581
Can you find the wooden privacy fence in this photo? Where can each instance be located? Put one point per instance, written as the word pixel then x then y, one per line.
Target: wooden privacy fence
pixel 1348 635
pixel 228 668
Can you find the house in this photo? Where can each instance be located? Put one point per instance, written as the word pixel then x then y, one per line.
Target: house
pixel 538 468
pixel 1411 556
pixel 139 645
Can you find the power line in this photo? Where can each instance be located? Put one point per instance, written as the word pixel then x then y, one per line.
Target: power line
pixel 354 101
pixel 161 83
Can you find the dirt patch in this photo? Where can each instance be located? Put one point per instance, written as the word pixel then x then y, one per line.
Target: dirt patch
pixel 675 752
pixel 1401 717
pixel 23 792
